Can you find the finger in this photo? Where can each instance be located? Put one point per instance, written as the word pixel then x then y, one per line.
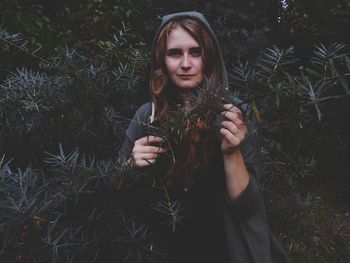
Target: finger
pixel 148 140
pixel 235 117
pixel 242 127
pixel 234 130
pixel 144 162
pixel 149 161
pixel 148 149
pixel 232 108
pixel 141 156
pixel 233 140
pixel 230 126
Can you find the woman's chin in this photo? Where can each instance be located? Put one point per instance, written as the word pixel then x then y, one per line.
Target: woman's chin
pixel 186 85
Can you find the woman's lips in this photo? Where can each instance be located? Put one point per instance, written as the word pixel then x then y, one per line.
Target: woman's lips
pixel 186 76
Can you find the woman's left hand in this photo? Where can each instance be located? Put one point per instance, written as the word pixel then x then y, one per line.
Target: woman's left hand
pixel 233 129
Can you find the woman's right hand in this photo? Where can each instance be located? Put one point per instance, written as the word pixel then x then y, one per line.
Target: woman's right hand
pixel 146 151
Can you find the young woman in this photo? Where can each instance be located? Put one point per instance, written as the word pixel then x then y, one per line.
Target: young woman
pixel 214 177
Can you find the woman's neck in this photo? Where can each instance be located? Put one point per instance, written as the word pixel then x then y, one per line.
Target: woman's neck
pixel 187 97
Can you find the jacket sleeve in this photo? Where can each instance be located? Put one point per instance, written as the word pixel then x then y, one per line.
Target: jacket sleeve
pixel 247 203
pixel 248 234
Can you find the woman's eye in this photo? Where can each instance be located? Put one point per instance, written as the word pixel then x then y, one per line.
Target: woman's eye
pixel 196 52
pixel 174 53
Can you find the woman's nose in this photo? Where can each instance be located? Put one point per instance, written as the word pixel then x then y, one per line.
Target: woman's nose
pixel 185 63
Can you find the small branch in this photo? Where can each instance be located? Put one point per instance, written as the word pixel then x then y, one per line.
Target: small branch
pixel 23 50
pixel 275 67
pixel 338 77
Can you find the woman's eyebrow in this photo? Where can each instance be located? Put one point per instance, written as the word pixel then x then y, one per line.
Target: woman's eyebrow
pixel 173 49
pixel 179 49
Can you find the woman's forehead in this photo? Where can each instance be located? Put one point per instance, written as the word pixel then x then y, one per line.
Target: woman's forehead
pixel 178 37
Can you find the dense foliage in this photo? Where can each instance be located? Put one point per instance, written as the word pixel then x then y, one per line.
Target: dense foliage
pixel 73 73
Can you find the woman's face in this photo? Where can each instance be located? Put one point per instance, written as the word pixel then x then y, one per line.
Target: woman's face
pixel 183 59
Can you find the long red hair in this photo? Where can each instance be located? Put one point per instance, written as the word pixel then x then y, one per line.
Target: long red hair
pixel 198 142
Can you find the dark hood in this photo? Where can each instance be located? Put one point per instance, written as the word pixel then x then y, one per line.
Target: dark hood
pixel 202 20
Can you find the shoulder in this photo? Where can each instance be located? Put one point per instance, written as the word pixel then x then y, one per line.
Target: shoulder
pixel 145 108
pixel 141 118
pixel 143 113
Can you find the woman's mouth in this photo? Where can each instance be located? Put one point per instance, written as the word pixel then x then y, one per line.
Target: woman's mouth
pixel 186 76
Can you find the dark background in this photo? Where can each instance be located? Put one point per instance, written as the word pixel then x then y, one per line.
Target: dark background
pixel 72 74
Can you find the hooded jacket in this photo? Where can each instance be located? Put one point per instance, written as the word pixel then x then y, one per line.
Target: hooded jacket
pixel 240 228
